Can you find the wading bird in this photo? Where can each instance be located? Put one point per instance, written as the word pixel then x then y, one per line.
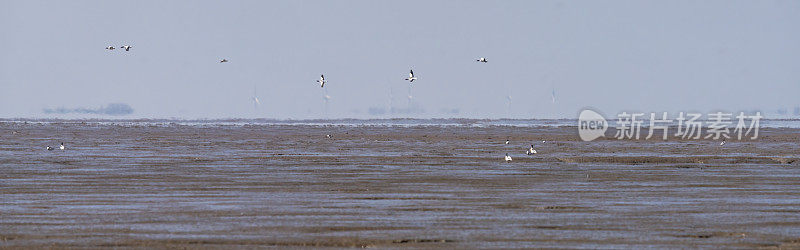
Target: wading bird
pixel 531 151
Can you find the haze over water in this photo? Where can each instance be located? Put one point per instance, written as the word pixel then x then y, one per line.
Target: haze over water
pixel 647 56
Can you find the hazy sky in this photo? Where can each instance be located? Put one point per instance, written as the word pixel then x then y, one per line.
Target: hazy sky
pixel 612 55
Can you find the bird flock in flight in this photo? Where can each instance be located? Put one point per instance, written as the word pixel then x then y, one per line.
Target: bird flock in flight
pixel 125 47
pixel 411 78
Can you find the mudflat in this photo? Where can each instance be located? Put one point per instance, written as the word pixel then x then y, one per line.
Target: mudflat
pixel 390 186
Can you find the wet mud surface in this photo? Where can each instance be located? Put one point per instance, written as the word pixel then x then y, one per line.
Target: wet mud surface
pixel 379 186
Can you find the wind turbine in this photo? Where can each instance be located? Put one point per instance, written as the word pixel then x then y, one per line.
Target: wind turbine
pixel 508 106
pixel 391 99
pixel 326 98
pixel 255 100
pixel 409 97
pixel 410 80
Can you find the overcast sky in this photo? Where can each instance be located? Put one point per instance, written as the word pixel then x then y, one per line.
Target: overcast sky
pixel 648 56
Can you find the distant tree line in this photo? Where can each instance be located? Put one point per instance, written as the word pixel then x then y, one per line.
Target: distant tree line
pixel 110 109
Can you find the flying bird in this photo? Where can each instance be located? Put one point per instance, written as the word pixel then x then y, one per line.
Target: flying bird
pixel 411 77
pixel 508 158
pixel 223 60
pixel 483 60
pixel 110 48
pixel 321 81
pixel 126 47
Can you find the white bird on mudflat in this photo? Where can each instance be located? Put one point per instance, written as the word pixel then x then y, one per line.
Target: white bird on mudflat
pixel 126 47
pixel 531 151
pixel 507 141
pixel 328 136
pixel 61 147
pixel 110 48
pixel 722 143
pixel 508 158
pixel 411 77
pixel 483 60
pixel 49 148
pixel 321 81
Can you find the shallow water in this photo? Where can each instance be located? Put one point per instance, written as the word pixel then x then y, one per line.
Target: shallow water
pixel 218 185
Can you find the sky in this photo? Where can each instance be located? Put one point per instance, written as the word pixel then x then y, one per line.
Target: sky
pixel 645 56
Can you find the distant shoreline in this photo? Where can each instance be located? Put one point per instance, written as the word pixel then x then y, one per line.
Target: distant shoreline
pixel 404 122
